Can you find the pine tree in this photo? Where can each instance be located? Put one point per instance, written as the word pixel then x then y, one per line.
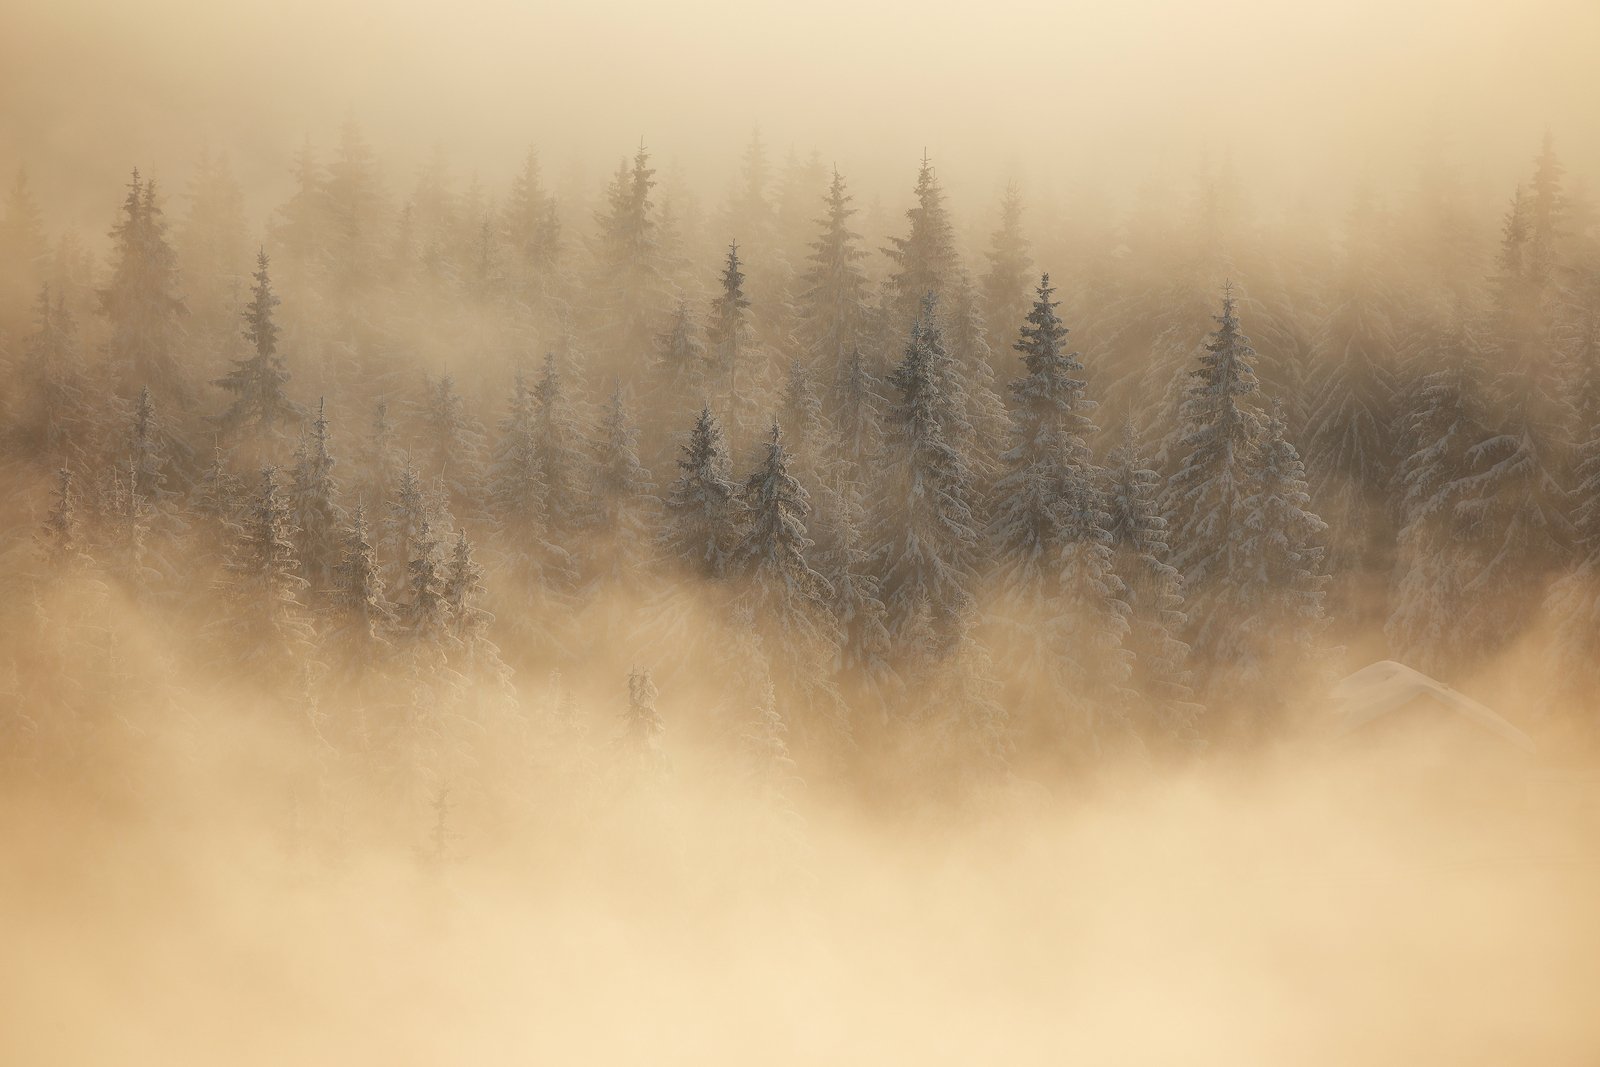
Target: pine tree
pixel 257 382
pixel 642 726
pixel 802 412
pixel 357 211
pixel 628 257
pixel 622 499
pixel 407 512
pixel 703 508
pixel 680 371
pixel 856 412
pixel 60 537
pixel 1005 282
pixel 732 360
pixel 561 464
pixel 1204 498
pixel 455 446
pixel 267 631
pixel 924 261
pixel 299 228
pixel 54 416
pixel 1062 604
pixel 424 617
pixel 1350 447
pixel 1439 550
pixel 1515 499
pixel 772 551
pixel 864 640
pixel 212 245
pixel 1157 618
pixel 141 301
pixel 464 593
pixel 1277 597
pixel 833 302
pixel 925 537
pixel 1048 472
pixel 362 614
pixel 516 482
pixel 314 508
pixel 24 252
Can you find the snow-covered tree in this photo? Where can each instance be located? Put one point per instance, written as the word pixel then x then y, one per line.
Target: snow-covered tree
pixel 258 382
pixel 789 600
pixel 924 260
pixel 628 257
pixel 265 627
pixel 314 508
pixel 141 301
pixel 856 411
pixel 1204 498
pixel 1005 281
pixel 560 456
pixel 621 499
pixel 1272 646
pixel 1437 556
pixel 455 446
pixel 833 308
pixel 703 507
pixel 734 370
pixel 1154 590
pixel 925 537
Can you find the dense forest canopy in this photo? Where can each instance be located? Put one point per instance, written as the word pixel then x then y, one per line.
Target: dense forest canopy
pixel 771 514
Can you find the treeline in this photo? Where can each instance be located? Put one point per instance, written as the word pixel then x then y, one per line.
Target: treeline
pixel 851 499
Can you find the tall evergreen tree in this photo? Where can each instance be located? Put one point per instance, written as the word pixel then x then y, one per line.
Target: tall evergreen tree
pixel 1204 498
pixel 1157 619
pixel 1277 595
pixel 833 298
pixel 141 299
pixel 266 629
pixel 703 508
pixel 1005 281
pixel 258 382
pixel 925 537
pixel 314 508
pixel 733 363
pixel 924 261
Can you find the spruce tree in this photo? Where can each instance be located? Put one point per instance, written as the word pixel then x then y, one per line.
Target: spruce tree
pixel 628 257
pixel 925 537
pixel 267 632
pixel 362 616
pixel 924 261
pixel 1272 647
pixel 1438 551
pixel 561 463
pixel 703 507
pixel 455 446
pixel 1157 619
pixel 621 499
pixel 314 508
pixel 1005 281
pixel 1204 498
pixel 856 410
pixel 732 359
pixel 1048 464
pixel 141 300
pixel 772 551
pixel 833 308
pixel 258 381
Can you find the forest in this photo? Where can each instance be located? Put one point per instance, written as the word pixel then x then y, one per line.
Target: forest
pixel 397 468
pixel 481 585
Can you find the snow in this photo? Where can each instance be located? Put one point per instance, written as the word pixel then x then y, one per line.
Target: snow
pixel 1383 687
